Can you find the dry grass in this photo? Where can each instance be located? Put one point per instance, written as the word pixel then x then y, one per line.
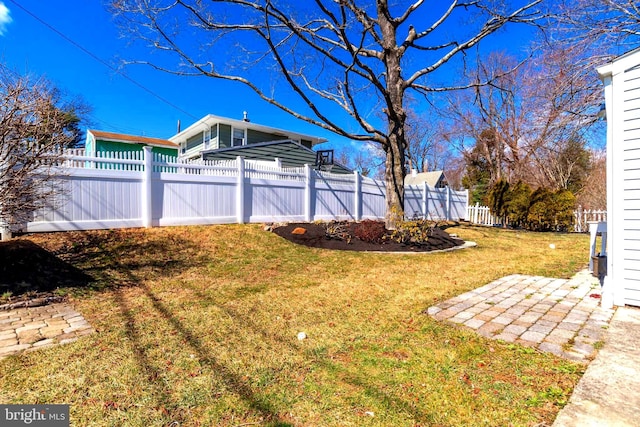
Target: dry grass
pixel 198 325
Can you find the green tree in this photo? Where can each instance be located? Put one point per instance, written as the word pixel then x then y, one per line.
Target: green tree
pixel 519 201
pixel 498 199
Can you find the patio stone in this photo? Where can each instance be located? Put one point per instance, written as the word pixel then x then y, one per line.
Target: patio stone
pixel 503 320
pixel 554 315
pixel 533 336
pixel 31 328
pixel 515 329
pixel 474 323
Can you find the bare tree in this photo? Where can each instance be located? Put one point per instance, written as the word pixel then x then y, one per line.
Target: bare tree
pixel 615 23
pixel 344 60
pixel 594 193
pixel 492 117
pixel 532 123
pixel 427 149
pixel 35 125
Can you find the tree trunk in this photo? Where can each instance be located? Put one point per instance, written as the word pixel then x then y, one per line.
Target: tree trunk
pixel 394 176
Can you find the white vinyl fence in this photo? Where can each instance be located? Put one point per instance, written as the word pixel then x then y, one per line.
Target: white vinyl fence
pixel 585 216
pixel 481 215
pixel 119 190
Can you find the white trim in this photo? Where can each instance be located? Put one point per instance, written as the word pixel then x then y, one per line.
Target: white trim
pixel 211 120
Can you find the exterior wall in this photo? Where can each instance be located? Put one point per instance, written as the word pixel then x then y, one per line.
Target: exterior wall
pixel 255 136
pixel 90 143
pixel 622 97
pixel 119 147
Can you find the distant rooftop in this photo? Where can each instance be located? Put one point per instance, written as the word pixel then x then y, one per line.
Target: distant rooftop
pixel 119 137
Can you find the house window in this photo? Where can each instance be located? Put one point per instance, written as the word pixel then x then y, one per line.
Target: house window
pixel 214 136
pixel 194 141
pixel 238 137
pixel 207 138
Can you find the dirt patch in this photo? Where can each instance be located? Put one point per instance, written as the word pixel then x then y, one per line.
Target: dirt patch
pixel 315 236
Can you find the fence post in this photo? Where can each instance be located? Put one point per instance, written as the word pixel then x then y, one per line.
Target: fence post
pixel 474 213
pixel 357 214
pixel 308 181
pixel 425 200
pixel 147 196
pixel 240 191
pixel 448 203
pixel 5 231
pixel 466 194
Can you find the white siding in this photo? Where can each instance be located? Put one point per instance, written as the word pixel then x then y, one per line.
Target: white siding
pixel 622 96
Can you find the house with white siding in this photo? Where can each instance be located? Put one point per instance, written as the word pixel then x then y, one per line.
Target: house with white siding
pixel 621 80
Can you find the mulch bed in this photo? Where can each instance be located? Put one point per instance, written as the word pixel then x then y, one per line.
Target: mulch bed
pixel 315 236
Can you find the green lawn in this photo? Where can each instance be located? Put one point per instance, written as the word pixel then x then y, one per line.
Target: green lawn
pixel 199 325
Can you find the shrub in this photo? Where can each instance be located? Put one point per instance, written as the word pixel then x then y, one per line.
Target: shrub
pixel 414 232
pixel 551 211
pixel 519 201
pixel 338 230
pixel 369 231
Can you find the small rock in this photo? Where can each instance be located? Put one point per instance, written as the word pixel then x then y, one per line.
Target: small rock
pixel 301 336
pixel 299 230
pixel 552 246
pixel 371 414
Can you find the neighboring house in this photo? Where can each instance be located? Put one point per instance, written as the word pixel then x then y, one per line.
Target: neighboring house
pixel 435 179
pixel 220 138
pixel 98 142
pixel 621 80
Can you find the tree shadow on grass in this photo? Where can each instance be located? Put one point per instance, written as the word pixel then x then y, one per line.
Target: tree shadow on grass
pixel 56 264
pixel 233 382
pixel 28 270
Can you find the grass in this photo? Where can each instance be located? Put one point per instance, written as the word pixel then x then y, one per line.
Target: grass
pixel 198 326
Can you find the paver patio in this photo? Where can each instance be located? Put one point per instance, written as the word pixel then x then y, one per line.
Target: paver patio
pixel 560 316
pixel 31 328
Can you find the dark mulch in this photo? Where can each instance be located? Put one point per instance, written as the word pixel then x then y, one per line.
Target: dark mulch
pixel 315 236
pixel 28 271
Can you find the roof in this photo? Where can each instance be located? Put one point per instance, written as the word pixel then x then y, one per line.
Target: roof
pixel 618 64
pixel 211 119
pixel 132 139
pixel 431 178
pixel 290 153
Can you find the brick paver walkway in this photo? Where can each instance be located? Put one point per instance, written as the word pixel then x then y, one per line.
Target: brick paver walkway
pixel 30 328
pixel 560 316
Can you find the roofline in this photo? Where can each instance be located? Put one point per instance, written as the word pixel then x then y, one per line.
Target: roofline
pixel 259 144
pixel 615 65
pixel 209 118
pixel 144 140
pixel 263 144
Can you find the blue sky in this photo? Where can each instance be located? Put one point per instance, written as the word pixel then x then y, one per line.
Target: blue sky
pixel 30 46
